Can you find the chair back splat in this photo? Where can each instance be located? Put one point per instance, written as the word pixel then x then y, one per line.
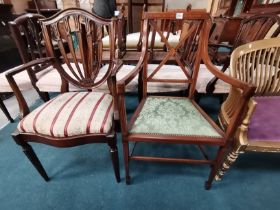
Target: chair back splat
pixel 170 119
pixel 81 32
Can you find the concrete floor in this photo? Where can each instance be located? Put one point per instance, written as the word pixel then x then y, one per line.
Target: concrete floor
pixel 12 105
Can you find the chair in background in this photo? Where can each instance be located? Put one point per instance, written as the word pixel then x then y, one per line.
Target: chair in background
pixel 130 45
pixel 177 120
pixel 256 63
pixel 26 33
pixel 251 29
pixel 72 118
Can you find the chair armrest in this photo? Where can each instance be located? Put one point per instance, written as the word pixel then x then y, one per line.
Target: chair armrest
pixel 121 87
pixel 220 75
pixel 123 82
pixel 244 91
pixel 24 110
pixel 28 65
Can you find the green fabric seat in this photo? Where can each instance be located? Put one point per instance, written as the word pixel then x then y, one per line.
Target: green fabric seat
pixel 172 116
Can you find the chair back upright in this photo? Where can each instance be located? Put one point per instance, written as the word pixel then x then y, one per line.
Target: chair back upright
pixel 81 32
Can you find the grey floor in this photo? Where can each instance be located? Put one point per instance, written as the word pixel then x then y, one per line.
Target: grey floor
pixel 12 105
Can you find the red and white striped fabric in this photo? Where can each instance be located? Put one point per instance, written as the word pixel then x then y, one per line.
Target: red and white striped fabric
pixel 71 114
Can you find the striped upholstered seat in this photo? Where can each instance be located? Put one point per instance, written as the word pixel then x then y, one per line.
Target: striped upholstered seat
pixel 71 114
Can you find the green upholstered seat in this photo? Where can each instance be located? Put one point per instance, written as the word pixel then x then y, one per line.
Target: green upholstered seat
pixel 172 116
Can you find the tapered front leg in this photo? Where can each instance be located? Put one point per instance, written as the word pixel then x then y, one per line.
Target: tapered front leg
pixel 29 152
pixel 115 158
pixel 5 110
pixel 126 161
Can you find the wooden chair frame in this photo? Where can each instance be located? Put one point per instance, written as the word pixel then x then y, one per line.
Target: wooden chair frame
pixel 84 23
pixel 199 54
pixel 27 34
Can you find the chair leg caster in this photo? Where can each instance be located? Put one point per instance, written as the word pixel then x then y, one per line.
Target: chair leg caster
pixel 207 185
pixel 127 180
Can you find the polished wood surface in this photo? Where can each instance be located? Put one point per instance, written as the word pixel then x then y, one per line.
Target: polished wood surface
pixel 27 34
pixel 87 28
pixel 190 51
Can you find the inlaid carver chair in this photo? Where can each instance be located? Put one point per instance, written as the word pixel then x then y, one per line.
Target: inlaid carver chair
pixel 177 120
pixel 256 63
pixel 73 118
pixel 251 29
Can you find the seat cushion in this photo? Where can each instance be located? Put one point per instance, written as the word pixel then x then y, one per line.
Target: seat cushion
pixel 51 82
pixel 133 39
pixel 204 77
pixel 172 116
pixel 175 71
pixel 265 124
pixel 22 79
pixel 71 114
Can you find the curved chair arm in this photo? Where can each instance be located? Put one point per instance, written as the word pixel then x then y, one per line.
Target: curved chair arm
pixel 24 110
pixel 210 87
pixel 122 83
pixel 245 90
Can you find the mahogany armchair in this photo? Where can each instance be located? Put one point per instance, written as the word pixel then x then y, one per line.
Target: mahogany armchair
pixel 251 29
pixel 72 118
pixel 177 120
pixel 256 63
